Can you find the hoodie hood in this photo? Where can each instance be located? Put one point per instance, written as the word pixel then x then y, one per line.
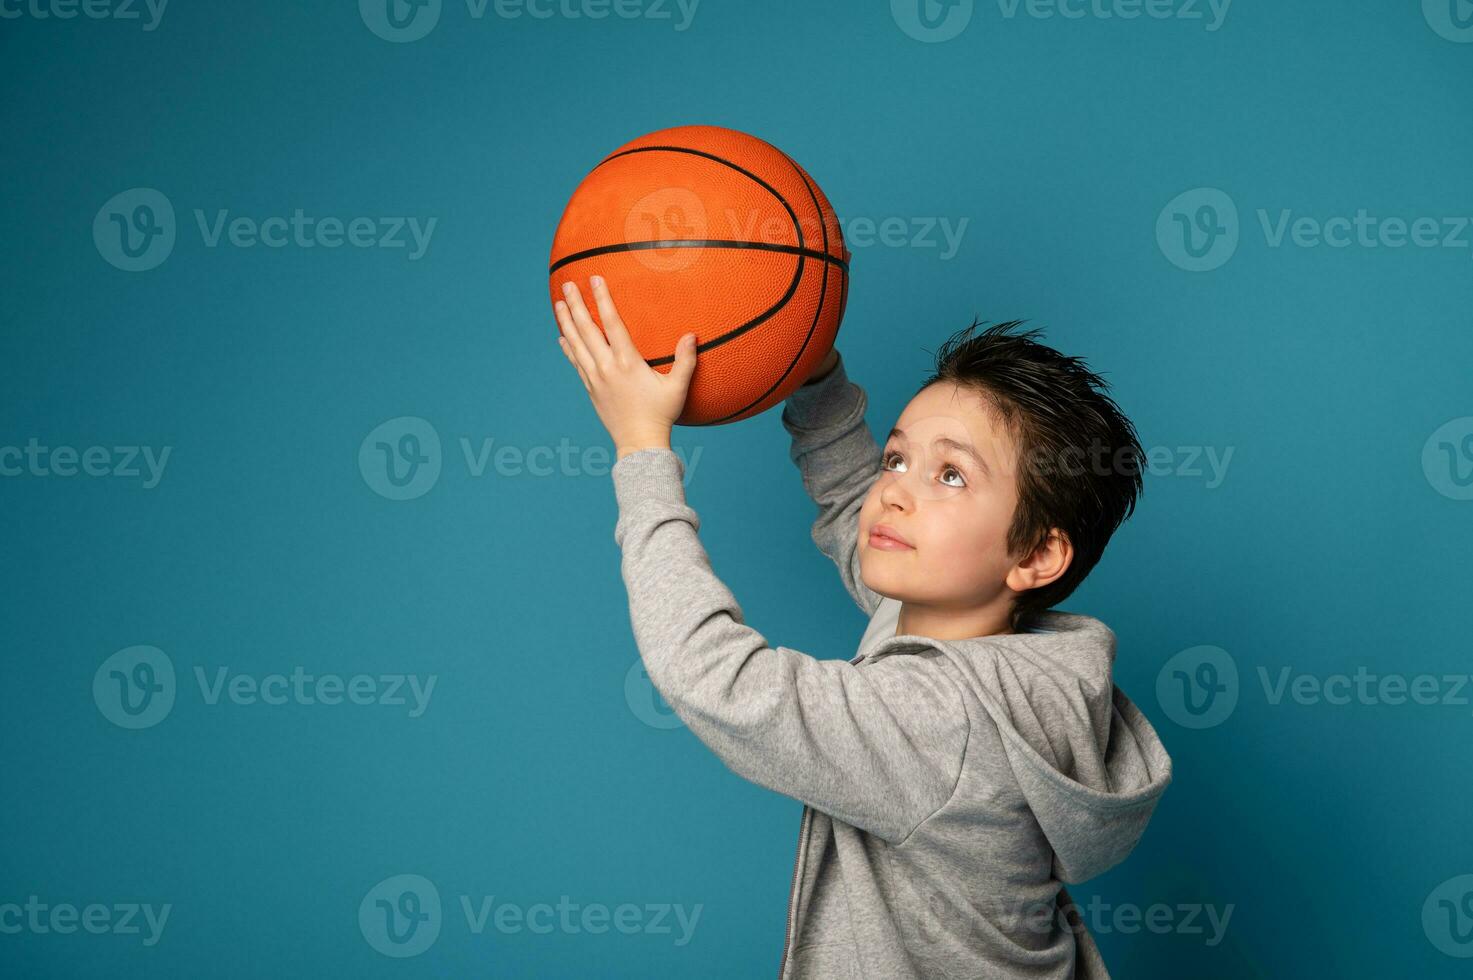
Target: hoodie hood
pixel 1087 760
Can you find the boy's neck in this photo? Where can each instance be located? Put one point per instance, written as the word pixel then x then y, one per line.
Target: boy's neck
pixel 950 624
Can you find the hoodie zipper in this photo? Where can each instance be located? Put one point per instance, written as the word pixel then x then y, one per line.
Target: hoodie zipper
pixel 782 965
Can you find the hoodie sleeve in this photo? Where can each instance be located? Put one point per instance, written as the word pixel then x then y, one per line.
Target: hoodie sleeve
pixel 839 460
pixel 877 744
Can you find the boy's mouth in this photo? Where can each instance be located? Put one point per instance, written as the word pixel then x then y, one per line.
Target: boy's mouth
pixel 888 539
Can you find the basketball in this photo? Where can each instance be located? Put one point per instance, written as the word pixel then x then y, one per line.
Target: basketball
pixel 711 230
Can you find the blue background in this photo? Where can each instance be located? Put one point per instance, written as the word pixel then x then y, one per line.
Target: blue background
pixel 1327 547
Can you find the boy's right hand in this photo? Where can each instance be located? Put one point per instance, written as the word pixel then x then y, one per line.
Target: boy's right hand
pixel 824 366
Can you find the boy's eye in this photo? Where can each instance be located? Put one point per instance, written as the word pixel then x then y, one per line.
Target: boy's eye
pixel 945 468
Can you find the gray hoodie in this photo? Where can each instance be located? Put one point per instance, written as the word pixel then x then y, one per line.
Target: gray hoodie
pixel 950 787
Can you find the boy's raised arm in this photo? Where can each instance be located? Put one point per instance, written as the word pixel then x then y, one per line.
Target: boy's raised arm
pixel 878 744
pixel 839 460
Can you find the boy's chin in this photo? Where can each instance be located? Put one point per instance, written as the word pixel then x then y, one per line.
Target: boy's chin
pixel 878 585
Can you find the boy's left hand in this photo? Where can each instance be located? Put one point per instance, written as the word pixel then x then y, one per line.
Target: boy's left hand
pixel 636 403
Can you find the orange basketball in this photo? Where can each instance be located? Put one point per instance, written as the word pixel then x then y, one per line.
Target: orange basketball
pixel 712 230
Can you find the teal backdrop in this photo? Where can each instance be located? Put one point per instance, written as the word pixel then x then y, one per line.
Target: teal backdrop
pixel 266 698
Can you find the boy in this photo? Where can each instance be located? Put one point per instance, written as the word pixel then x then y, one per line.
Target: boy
pixel 975 755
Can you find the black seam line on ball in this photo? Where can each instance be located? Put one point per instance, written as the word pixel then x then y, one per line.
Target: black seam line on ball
pixel 698 243
pixel 797 231
pixel 754 322
pixel 817 311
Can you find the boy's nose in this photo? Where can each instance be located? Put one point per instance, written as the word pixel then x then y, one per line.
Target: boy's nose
pixel 897 493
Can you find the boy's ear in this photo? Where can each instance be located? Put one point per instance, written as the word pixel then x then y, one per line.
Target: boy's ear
pixel 1047 562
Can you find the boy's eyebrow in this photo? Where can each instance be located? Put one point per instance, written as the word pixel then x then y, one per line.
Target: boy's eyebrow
pixel 949 443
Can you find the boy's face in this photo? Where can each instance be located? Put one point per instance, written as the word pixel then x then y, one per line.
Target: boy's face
pixel 951 509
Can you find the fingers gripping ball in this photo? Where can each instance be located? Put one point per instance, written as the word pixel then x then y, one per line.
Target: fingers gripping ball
pixel 707 229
